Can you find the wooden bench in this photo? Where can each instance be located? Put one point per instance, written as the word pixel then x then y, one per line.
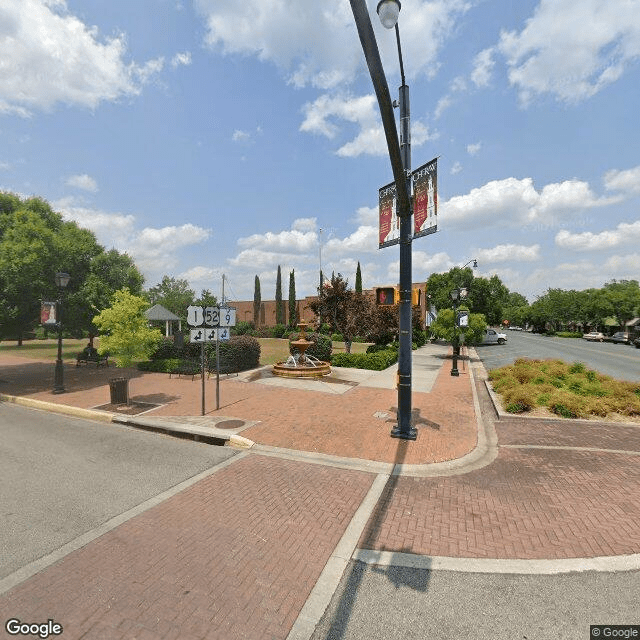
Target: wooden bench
pixel 191 368
pixel 98 359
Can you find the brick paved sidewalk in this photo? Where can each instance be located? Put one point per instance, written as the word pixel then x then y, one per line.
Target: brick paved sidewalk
pixel 233 556
pixel 342 425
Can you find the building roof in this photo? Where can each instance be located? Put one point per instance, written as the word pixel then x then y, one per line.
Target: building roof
pixel 158 312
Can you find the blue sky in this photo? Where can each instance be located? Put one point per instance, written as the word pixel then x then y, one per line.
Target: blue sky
pixel 214 136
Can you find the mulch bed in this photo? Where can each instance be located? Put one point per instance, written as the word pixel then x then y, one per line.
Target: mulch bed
pixel 132 409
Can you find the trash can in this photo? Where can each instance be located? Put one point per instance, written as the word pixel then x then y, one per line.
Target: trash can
pixel 119 388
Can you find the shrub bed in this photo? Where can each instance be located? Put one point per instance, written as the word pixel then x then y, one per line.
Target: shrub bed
pixel 570 391
pixel 238 354
pixel 160 365
pixel 373 361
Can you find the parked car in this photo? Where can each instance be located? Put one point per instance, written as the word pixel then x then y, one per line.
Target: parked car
pixel 594 336
pixel 619 337
pixel 636 343
pixel 491 336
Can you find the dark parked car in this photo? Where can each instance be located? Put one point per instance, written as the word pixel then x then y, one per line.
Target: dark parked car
pixel 636 342
pixel 620 337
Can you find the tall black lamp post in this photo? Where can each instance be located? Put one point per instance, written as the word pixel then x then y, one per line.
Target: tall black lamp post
pixel 62 280
pixel 400 157
pixel 456 295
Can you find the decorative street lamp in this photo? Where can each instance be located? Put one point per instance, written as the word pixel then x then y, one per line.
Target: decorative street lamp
pixel 400 156
pixel 475 264
pixel 62 280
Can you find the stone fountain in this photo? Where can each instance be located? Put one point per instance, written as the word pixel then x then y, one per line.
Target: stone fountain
pixel 301 365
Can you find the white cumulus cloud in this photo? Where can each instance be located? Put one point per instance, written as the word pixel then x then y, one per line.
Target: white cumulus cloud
pixel 509 253
pixel 82 181
pixel 572 48
pixel 628 180
pixel 49 56
pixel 624 233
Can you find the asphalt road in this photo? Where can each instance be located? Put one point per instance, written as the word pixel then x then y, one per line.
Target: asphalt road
pixel 61 477
pixel 617 360
pixel 378 603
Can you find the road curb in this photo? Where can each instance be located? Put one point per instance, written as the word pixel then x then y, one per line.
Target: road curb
pixel 209 435
pixel 42 405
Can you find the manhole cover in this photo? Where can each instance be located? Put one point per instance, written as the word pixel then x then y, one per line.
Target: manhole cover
pixel 230 424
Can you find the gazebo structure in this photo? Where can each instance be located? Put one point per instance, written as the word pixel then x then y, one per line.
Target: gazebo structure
pixel 159 313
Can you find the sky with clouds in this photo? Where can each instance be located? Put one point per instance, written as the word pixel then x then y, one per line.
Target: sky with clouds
pixel 210 137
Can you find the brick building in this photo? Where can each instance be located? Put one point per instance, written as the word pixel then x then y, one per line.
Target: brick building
pixel 267 316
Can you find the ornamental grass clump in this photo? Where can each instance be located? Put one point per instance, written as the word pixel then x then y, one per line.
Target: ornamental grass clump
pixel 568 390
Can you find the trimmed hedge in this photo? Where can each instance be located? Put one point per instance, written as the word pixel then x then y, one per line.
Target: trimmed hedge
pixel 160 365
pixel 373 361
pixel 238 354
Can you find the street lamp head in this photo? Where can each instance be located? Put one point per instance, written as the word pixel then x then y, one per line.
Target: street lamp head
pixel 388 11
pixel 463 293
pixel 62 280
pixel 475 264
pixel 455 294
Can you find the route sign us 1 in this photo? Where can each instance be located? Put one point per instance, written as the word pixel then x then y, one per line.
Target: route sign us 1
pixel 211 316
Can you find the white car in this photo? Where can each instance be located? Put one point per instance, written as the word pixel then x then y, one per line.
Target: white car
pixel 594 336
pixel 491 336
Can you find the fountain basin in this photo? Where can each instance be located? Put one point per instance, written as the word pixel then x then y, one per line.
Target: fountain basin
pixel 285 370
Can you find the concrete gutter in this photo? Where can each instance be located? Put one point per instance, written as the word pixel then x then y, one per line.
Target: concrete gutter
pixel 210 435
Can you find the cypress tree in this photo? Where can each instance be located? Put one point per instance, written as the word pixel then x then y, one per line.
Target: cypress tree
pixel 279 305
pixel 292 299
pixel 257 302
pixel 358 279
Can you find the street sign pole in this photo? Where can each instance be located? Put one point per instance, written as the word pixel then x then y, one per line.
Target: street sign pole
pixel 217 370
pixel 202 353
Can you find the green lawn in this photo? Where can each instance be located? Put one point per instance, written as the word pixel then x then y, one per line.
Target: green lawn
pixel 272 350
pixel 45 349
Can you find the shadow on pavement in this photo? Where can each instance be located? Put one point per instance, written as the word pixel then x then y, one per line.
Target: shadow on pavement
pixel 33 377
pixel 399 576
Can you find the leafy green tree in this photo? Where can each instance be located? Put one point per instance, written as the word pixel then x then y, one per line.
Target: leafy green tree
pixel 279 305
pixel 124 330
pixel 206 299
pixel 358 285
pixel 108 272
pixel 173 294
pixel 444 327
pixel 257 302
pixel 293 316
pixel 624 298
pixel 342 308
pixel 35 243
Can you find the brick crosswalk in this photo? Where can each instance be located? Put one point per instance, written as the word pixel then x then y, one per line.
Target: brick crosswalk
pixel 240 550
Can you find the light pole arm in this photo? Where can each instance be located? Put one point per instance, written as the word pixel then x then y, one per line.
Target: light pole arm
pixel 372 56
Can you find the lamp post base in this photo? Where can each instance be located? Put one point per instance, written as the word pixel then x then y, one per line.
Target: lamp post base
pixel 412 434
pixel 58 384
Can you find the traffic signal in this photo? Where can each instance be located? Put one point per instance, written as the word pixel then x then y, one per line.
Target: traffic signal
pixel 387 296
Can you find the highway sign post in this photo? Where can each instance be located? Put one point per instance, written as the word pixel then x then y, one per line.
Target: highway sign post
pixel 213 324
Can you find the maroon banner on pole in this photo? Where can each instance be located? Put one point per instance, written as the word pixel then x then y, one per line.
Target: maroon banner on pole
pixel 48 315
pixel 425 194
pixel 389 222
